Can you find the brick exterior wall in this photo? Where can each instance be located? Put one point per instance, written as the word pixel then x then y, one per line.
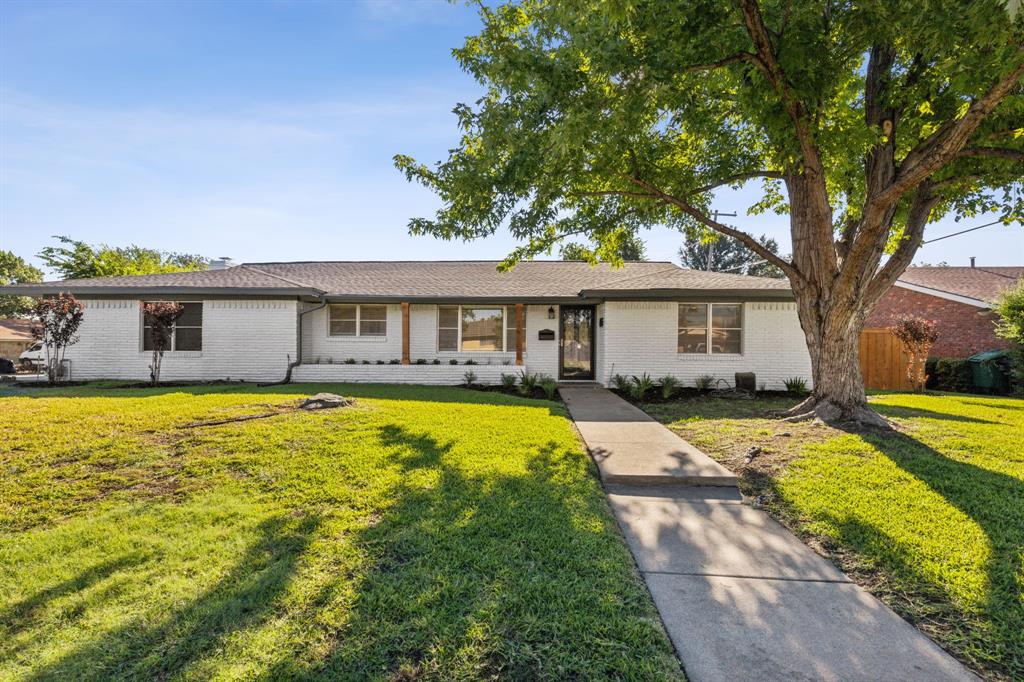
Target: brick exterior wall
pixel 963 329
pixel 247 340
pixel 642 337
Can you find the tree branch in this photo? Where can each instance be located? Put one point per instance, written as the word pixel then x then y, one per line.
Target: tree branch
pixel 743 237
pixel 739 177
pixel 946 142
pixel 917 217
pixel 993 152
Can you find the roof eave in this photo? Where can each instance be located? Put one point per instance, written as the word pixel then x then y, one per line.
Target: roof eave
pixel 86 291
pixel 696 294
pixel 940 293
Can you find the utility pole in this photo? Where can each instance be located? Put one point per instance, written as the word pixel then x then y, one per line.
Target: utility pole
pixel 711 245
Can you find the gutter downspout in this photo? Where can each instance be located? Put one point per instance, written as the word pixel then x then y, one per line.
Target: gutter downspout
pixel 298 337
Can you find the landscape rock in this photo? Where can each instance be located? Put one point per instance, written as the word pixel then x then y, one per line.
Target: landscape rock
pixel 324 401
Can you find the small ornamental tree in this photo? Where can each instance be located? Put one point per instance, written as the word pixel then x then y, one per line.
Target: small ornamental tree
pixel 160 318
pixel 1010 309
pixel 918 336
pixel 59 318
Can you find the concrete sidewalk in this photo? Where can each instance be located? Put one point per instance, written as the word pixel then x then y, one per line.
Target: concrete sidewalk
pixel 742 598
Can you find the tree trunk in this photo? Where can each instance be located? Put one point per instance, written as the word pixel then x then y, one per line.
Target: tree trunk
pixel 833 341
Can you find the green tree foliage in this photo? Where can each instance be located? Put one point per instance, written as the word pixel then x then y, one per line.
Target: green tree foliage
pixel 14 270
pixel 1010 309
pixel 626 246
pixel 861 121
pixel 725 254
pixel 78 260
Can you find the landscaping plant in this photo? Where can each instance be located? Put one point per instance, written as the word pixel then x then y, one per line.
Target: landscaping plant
pixel 796 385
pixel 508 381
pixel 58 320
pixel 918 336
pixel 470 377
pixel 669 386
pixel 549 385
pixel 641 386
pixel 160 316
pixel 1010 309
pixel 527 382
pixel 621 383
pixel 704 382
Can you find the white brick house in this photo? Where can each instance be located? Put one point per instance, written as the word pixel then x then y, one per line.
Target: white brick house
pixel 422 322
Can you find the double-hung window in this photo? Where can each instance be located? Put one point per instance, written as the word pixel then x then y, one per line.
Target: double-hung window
pixel 476 328
pixel 357 320
pixel 710 328
pixel 186 334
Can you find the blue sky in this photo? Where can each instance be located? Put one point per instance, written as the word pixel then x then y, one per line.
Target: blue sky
pixel 260 131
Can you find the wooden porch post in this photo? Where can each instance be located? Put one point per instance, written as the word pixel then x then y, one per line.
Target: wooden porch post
pixel 520 332
pixel 405 333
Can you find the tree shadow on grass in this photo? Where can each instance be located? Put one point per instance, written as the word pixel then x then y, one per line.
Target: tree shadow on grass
pixel 242 599
pixel 484 573
pixel 914 412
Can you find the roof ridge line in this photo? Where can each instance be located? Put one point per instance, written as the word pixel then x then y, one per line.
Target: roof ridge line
pixel 997 274
pixel 283 279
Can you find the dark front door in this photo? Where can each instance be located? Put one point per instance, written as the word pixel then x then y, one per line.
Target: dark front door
pixel 576 352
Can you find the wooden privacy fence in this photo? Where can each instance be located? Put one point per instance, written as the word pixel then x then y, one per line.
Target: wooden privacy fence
pixel 883 361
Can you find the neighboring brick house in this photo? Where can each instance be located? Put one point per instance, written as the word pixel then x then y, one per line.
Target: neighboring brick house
pixel 957 298
pixel 15 336
pixel 421 322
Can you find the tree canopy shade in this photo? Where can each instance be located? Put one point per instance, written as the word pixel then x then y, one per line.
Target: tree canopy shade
pixel 78 260
pixel 14 270
pixel 861 121
pixel 725 254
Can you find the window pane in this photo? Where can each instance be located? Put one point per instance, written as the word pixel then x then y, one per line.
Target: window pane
pixel 191 315
pixel 510 339
pixel 725 340
pixel 481 328
pixel 188 338
pixel 343 327
pixel 692 341
pixel 448 317
pixel 372 328
pixel 147 339
pixel 374 313
pixel 343 312
pixel 447 339
pixel 693 315
pixel 726 315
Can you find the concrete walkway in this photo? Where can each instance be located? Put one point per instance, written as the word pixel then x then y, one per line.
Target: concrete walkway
pixel 742 598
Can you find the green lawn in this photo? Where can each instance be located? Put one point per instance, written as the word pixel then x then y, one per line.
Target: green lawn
pixel 930 519
pixel 422 533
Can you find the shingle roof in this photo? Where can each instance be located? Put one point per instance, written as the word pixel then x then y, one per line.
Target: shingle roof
pixel 981 283
pixel 430 280
pixel 15 329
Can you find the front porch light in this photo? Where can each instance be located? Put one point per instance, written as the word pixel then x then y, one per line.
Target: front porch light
pixel 551 312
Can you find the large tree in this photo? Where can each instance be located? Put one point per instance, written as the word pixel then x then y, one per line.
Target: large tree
pixel 14 270
pixel 726 254
pixel 862 122
pixel 76 259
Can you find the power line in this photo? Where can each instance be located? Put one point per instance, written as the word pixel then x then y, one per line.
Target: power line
pixel 972 229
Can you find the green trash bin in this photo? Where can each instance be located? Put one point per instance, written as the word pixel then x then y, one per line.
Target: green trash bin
pixel 989 371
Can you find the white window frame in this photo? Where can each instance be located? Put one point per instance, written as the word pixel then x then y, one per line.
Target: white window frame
pixel 709 310
pixel 359 319
pixel 458 344
pixel 174 329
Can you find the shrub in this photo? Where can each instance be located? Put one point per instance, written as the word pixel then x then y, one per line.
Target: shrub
pixel 508 380
pixel 453 361
pixel 470 377
pixel 953 374
pixel 549 386
pixel 669 386
pixel 641 386
pixel 421 361
pixel 1010 309
pixel 366 362
pixel 435 361
pixel 796 385
pixel 395 361
pixel 527 382
pixel 380 362
pixel 471 361
pixel 350 361
pixel 704 382
pixel 918 335
pixel 621 383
